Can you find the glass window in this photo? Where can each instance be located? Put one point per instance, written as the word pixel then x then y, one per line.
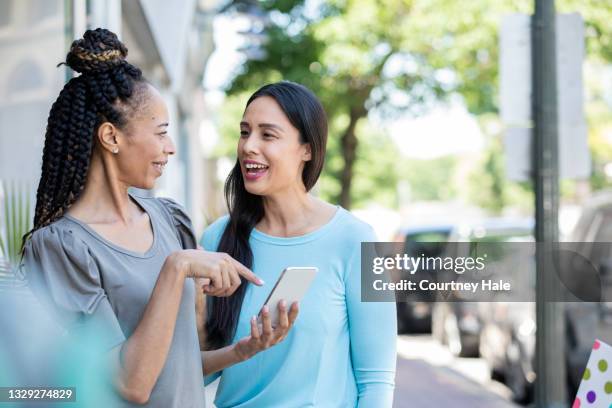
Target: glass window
pixel 6 8
pixel 42 9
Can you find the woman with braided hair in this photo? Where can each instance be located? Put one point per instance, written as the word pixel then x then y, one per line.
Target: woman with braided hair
pixel 113 263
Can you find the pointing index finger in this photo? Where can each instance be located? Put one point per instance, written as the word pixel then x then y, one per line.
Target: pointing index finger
pixel 247 273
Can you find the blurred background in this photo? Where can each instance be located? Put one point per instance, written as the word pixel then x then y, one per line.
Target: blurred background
pixel 419 94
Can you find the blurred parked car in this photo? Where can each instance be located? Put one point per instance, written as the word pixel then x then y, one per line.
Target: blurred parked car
pixel 587 321
pixel 458 324
pixel 507 343
pixel 414 311
pixel 508 335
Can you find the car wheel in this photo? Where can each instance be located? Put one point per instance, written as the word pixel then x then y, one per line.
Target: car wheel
pixel 515 376
pixel 402 319
pixel 495 365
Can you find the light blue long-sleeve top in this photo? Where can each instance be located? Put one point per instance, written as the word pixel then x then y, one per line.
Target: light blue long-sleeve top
pixel 341 352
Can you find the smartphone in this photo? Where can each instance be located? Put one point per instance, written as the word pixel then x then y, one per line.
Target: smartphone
pixel 292 285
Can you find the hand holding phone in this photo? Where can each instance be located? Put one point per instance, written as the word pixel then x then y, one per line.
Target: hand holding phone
pixel 274 320
pixel 291 286
pixel 263 335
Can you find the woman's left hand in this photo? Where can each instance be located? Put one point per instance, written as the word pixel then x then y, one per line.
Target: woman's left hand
pixel 266 336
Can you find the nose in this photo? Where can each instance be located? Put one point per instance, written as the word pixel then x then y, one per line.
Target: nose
pixel 169 147
pixel 249 144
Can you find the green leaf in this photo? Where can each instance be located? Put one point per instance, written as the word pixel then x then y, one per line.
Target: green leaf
pixel 17 219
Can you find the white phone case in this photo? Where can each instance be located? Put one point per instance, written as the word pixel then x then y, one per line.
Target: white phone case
pixel 291 286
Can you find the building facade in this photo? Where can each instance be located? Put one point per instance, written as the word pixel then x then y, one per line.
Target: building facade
pixel 169 41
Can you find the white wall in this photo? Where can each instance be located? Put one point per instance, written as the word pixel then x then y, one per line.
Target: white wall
pixel 172 56
pixel 32 43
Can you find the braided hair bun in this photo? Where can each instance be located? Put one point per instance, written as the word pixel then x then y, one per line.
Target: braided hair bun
pixel 109 89
pixel 98 50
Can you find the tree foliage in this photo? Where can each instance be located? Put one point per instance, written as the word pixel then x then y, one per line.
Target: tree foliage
pixel 389 58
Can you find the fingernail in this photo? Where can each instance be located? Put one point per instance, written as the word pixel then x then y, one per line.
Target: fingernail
pixel 265 309
pixel 283 303
pixel 261 282
pixel 254 318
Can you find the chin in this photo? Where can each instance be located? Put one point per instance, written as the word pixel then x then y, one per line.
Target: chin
pixel 150 185
pixel 255 190
pixel 144 185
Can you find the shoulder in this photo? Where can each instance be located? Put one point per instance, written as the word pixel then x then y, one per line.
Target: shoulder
pixel 58 261
pixel 347 235
pixel 63 272
pixel 212 233
pixel 217 227
pixel 354 229
pixel 58 236
pixel 167 204
pixel 179 218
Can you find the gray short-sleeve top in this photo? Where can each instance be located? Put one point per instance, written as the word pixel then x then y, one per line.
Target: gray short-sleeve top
pixel 87 280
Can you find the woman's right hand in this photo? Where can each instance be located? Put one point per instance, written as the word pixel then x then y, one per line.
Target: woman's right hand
pixel 219 273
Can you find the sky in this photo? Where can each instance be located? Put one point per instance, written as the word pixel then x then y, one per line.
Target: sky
pixel 446 130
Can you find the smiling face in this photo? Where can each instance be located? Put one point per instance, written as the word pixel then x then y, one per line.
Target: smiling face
pixel 143 144
pixel 270 154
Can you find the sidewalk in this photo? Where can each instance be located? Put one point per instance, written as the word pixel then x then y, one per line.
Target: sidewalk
pixel 429 377
pixel 421 385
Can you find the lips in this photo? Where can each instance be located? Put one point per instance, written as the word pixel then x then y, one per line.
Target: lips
pixel 159 166
pixel 254 170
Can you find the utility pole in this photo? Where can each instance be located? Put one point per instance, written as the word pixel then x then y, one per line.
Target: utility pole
pixel 550 391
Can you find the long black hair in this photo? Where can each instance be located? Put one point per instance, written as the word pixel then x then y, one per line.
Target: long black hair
pixel 109 89
pixel 307 115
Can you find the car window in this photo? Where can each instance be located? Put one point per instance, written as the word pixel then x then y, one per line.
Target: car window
pixel 429 243
pixel 604 233
pixel 498 252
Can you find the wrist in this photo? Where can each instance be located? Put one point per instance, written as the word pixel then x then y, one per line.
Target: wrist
pixel 236 355
pixel 178 264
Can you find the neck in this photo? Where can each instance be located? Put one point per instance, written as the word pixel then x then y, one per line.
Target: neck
pixel 285 212
pixel 105 198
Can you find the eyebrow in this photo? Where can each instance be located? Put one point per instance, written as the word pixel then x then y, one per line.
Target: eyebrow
pixel 264 125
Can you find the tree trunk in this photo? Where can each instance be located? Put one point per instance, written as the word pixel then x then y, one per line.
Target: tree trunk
pixel 349 153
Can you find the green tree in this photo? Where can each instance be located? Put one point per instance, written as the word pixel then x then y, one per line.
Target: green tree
pixel 431 179
pixel 377 168
pixel 389 57
pixel 488 184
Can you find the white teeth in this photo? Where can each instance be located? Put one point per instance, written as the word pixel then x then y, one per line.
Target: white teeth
pixel 255 166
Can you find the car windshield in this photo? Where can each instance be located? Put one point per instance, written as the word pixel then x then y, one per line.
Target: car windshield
pixel 498 252
pixel 428 243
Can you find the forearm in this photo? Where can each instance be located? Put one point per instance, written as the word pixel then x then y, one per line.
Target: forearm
pixel 144 353
pixel 374 356
pixel 375 390
pixel 373 334
pixel 217 360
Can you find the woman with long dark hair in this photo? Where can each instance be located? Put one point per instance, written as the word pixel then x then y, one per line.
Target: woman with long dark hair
pixel 341 351
pixel 110 262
